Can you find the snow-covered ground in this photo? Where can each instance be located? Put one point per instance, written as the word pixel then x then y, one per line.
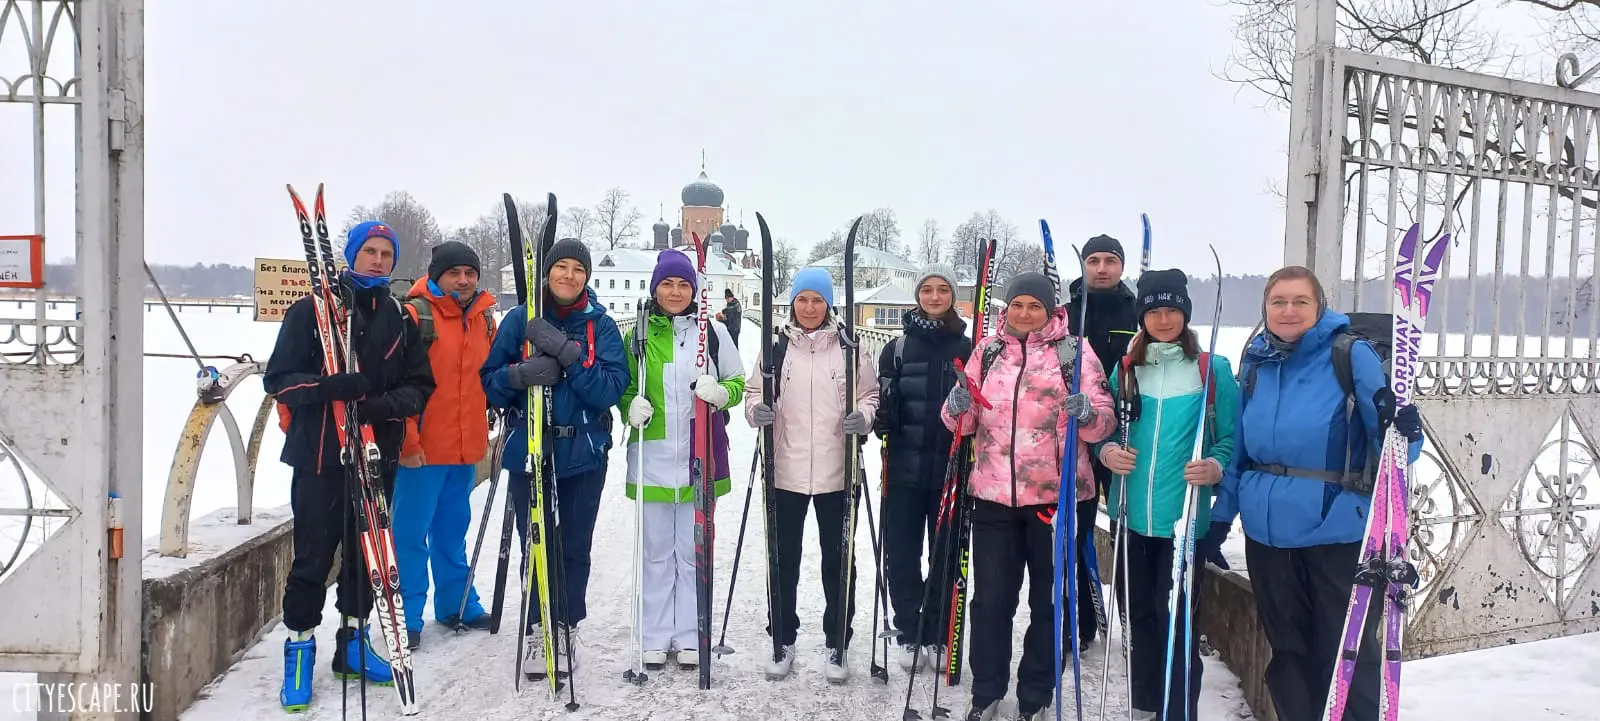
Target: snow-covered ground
pixel 469 677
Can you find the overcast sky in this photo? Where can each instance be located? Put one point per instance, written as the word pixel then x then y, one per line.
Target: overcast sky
pixel 1085 114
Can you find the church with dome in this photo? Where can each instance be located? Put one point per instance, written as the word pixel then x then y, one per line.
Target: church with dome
pixel 703 213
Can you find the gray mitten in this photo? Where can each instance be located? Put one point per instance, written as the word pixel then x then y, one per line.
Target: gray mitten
pixel 959 399
pixel 1079 407
pixel 763 415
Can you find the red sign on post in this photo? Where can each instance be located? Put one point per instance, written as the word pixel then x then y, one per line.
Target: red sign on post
pixel 21 261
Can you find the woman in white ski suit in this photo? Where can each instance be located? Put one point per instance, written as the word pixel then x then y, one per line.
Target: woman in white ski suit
pixel 810 420
pixel 664 415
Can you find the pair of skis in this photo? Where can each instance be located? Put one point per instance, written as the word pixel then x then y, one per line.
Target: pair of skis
pixel 1064 554
pixel 358 449
pixel 952 526
pixel 1383 563
pixel 543 545
pixel 1126 411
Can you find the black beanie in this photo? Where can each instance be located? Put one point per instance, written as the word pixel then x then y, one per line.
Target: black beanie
pixel 450 254
pixel 564 249
pixel 1164 289
pixel 1035 284
pixel 1103 244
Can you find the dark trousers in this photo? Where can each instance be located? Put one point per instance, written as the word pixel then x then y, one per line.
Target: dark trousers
pixel 1087 623
pixel 911 516
pixel 1302 595
pixel 791 509
pixel 577 505
pixel 1149 587
pixel 325 522
pixel 1006 542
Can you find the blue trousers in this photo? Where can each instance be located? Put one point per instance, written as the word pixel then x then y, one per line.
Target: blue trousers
pixel 577 506
pixel 432 510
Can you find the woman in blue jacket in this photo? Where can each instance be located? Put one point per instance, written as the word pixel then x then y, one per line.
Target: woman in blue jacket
pixel 1296 486
pixel 577 352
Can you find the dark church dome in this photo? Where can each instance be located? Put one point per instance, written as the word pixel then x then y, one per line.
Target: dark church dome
pixel 702 193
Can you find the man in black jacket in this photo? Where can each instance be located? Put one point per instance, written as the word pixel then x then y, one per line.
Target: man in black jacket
pixel 915 372
pixel 394 383
pixel 1113 319
pixel 732 315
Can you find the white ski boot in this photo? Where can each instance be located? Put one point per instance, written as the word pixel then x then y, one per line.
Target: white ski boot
pixel 838 669
pixel 913 659
pixel 982 713
pixel 533 658
pixel 779 668
pixel 689 659
pixel 654 660
pixel 566 664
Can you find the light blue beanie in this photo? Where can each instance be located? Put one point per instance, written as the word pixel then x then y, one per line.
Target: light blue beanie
pixel 813 279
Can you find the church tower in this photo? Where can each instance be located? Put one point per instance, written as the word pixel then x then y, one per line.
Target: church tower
pixel 702 211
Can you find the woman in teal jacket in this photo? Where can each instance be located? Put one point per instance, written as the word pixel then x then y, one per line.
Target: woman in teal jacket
pixel 1166 371
pixel 1296 485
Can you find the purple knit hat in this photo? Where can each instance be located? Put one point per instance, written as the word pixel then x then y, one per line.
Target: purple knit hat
pixel 672 263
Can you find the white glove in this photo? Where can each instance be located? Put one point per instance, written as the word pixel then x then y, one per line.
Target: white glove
pixel 711 391
pixel 640 412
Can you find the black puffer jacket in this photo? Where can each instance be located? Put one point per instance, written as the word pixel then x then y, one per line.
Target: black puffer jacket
pixel 908 410
pixel 389 348
pixel 1113 319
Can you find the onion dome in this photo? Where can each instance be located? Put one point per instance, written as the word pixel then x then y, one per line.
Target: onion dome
pixel 702 193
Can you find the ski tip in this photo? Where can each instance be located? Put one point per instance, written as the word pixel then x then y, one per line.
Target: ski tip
pixel 1044 228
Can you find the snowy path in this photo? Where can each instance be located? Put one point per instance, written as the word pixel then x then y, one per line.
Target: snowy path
pixel 469 677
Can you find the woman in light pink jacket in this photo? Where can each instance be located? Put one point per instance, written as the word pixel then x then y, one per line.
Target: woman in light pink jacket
pixel 810 419
pixel 1019 443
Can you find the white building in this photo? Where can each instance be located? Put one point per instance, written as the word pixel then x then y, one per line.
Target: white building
pixel 874 267
pixel 621 277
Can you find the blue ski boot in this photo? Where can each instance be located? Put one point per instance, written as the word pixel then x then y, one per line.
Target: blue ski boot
pixel 299 657
pixel 348 658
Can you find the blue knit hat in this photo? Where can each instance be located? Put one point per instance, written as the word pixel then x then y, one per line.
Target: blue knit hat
pixel 813 279
pixel 672 263
pixel 357 238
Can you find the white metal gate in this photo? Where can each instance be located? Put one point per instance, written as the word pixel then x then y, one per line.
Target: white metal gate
pixel 70 417
pixel 1506 530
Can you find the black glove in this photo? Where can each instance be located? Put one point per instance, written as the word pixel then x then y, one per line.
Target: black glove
pixel 551 341
pixel 1210 547
pixel 374 410
pixel 344 386
pixel 540 370
pixel 1407 420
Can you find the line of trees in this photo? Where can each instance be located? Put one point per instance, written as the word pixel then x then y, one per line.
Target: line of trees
pixel 612 223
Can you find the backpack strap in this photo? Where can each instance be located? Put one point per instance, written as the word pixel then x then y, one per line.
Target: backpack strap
pixel 779 350
pixel 422 313
pixel 991 352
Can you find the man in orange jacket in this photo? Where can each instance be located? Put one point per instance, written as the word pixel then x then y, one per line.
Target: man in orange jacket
pixel 443 445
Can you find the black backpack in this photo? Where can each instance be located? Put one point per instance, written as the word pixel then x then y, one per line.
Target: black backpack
pixel 1377 330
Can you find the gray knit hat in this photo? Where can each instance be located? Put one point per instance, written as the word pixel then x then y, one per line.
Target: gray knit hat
pixel 935 270
pixel 1035 284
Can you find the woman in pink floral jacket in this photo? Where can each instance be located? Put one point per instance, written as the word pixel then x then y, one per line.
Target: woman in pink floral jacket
pixel 1019 437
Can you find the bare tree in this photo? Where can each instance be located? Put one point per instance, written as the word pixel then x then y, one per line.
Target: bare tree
pixel 782 263
pixel 412 222
pixel 615 218
pixel 962 249
pixel 928 250
pixel 578 222
pixel 880 230
pixel 832 246
pixel 1436 32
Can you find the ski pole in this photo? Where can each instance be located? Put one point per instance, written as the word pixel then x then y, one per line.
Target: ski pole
pixel 722 648
pixel 483 528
